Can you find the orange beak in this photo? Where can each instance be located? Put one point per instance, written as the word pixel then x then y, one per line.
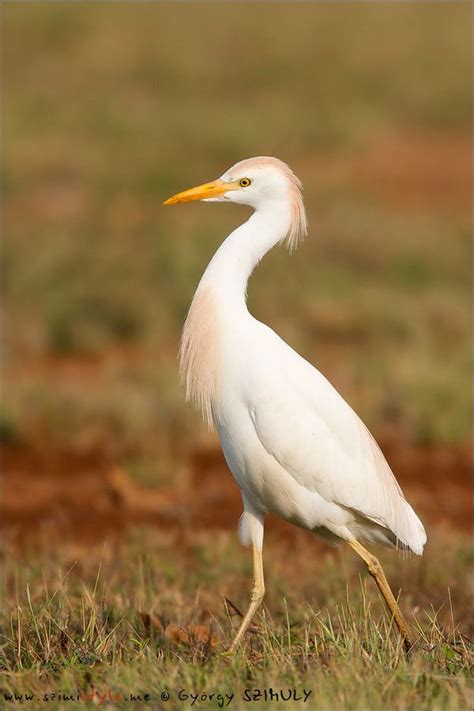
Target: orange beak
pixel 201 192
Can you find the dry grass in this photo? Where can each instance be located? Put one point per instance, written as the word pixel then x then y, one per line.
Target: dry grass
pixel 73 624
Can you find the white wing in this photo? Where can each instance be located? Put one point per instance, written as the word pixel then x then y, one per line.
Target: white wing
pixel 304 423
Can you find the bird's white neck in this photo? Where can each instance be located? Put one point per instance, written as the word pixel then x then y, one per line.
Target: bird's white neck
pixel 233 263
pixel 219 304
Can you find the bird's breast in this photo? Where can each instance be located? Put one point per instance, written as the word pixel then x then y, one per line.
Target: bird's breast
pixel 200 351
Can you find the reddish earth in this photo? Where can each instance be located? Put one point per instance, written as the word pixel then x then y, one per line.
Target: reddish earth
pixel 406 169
pixel 86 497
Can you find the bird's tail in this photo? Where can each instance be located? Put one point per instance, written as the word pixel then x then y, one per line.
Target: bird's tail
pixel 410 531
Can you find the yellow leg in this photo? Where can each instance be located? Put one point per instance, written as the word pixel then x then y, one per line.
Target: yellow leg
pixel 376 571
pixel 256 597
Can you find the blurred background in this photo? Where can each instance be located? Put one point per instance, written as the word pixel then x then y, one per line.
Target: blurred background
pixel 108 110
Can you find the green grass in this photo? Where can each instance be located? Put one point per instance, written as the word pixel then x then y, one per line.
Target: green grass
pixel 74 626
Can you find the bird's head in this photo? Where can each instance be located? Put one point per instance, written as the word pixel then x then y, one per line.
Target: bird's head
pixel 258 182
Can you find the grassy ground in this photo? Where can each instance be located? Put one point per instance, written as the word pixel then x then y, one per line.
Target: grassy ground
pixel 72 627
pixel 110 108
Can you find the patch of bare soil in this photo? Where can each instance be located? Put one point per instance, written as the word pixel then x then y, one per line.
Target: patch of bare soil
pixel 419 169
pixel 407 169
pixel 86 497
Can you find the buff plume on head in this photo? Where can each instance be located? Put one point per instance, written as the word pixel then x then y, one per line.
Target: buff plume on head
pixel 256 181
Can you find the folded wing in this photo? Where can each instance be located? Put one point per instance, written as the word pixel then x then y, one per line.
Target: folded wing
pixel 304 423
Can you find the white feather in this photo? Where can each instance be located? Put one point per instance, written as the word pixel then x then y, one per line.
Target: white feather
pixel 294 445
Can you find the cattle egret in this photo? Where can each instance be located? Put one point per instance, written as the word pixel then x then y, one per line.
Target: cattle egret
pixel 293 444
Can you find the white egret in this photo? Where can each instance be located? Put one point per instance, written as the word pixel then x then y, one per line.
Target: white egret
pixel 293 444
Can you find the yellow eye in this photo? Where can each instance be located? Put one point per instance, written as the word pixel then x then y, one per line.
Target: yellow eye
pixel 244 182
